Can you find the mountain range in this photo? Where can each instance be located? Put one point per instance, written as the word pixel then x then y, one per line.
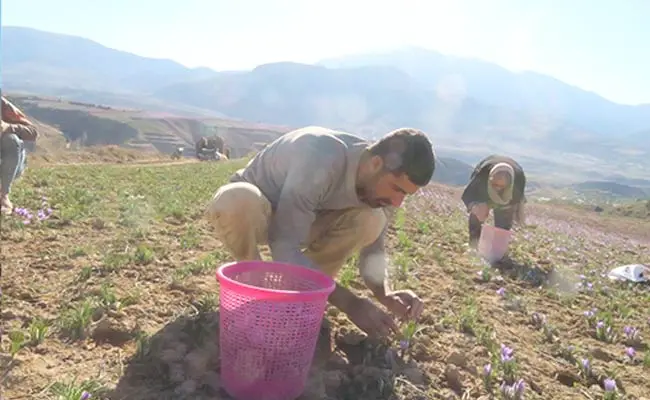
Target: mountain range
pixel 468 107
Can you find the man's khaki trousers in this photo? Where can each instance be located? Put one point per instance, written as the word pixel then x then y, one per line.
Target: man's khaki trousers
pixel 240 214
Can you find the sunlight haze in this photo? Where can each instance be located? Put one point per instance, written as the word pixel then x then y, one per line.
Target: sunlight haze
pixel 598 46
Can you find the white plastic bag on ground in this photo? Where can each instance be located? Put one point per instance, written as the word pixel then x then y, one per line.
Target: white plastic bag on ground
pixel 493 243
pixel 632 272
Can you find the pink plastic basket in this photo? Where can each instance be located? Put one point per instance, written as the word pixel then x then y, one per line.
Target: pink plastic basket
pixel 270 318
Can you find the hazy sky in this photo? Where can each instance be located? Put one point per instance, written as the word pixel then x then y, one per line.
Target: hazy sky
pixel 599 45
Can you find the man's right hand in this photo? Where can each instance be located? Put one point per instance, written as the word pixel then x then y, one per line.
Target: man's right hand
pixel 481 211
pixel 371 319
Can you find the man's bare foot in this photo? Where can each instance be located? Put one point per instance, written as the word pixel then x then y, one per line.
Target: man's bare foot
pixel 5 205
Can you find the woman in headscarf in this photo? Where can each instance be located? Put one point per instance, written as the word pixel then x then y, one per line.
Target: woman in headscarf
pixel 497 183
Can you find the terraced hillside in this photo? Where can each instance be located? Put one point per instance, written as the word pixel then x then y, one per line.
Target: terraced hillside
pixel 93 124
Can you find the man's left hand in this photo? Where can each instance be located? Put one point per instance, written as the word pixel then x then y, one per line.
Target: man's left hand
pixel 404 304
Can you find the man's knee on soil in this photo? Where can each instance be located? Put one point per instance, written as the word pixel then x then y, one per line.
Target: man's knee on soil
pixel 361 226
pixel 238 207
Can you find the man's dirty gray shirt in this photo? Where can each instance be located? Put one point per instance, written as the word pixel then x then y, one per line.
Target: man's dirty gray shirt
pixel 301 173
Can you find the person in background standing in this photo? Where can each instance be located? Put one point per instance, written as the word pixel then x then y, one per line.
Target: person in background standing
pixel 497 183
pixel 16 129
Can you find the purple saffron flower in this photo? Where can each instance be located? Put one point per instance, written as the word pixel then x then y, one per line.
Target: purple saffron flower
pixel 586 367
pixel 506 353
pixel 609 384
pixel 520 387
pixel 630 352
pixel 631 333
pixel 85 396
pixel 404 344
pixel 600 325
pixel 487 369
pixel 501 291
pixel 507 391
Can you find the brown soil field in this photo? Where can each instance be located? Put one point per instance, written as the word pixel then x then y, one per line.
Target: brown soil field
pixel 114 293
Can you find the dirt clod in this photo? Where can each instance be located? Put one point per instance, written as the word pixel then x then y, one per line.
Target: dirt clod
pixel 458 359
pixel 601 354
pixel 567 378
pixel 112 332
pixel 414 375
pixel 333 379
pixel 352 338
pixel 454 378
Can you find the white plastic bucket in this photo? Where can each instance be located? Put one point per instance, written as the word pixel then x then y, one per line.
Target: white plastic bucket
pixel 493 243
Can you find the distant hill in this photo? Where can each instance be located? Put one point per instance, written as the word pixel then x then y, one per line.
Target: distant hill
pixel 492 84
pixel 450 171
pixel 44 60
pixel 612 189
pixel 618 178
pixel 373 100
pixel 639 209
pixel 469 108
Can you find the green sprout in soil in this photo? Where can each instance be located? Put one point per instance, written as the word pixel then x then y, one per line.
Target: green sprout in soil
pixel 76 391
pixel 409 330
pixel 38 330
pixel 604 332
pixel 18 341
pixel 75 322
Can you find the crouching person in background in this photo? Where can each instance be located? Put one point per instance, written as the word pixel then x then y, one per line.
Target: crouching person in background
pixel 16 129
pixel 497 183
